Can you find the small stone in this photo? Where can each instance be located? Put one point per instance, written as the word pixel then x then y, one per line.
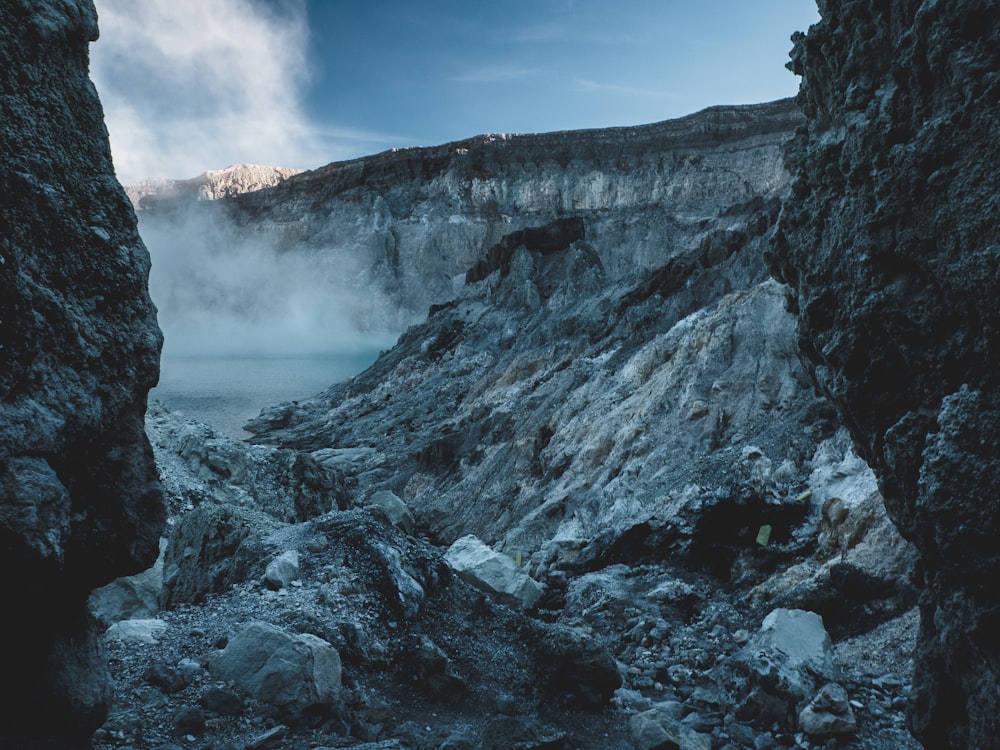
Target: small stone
pixel 829 713
pixel 137 631
pixel 222 702
pixel 282 570
pixel 169 679
pixel 189 722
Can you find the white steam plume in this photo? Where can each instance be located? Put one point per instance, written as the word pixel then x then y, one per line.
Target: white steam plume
pixel 223 291
pixel 191 85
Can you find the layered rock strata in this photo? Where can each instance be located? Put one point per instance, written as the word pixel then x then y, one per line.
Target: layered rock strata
pixel 889 241
pixel 550 409
pixel 408 224
pixel 79 346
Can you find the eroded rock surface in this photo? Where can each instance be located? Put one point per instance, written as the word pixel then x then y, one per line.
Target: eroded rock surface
pixel 401 229
pixel 889 241
pixel 79 347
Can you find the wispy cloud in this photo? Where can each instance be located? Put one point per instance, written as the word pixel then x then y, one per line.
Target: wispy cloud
pixel 189 85
pixel 496 74
pixel 583 84
pixel 547 32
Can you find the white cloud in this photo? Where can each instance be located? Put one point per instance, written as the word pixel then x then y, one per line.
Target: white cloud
pixel 191 85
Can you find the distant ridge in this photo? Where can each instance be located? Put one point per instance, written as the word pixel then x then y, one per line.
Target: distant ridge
pixel 219 183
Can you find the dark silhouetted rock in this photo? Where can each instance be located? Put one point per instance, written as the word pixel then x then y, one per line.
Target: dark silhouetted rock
pixel 890 243
pixel 79 349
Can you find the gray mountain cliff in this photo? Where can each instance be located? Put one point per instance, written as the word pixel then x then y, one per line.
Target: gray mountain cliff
pixel 408 223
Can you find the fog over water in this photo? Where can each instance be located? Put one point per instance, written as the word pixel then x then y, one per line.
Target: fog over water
pixel 247 324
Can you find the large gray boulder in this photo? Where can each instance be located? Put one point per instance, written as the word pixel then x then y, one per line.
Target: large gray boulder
pixel 79 349
pixel 492 572
pixel 781 668
pixel 293 673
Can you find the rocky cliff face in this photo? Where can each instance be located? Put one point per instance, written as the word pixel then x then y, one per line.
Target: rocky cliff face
pixel 79 346
pixel 889 241
pixel 409 223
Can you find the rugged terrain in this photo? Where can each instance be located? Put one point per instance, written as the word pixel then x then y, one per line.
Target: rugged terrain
pixel 889 242
pixel 79 349
pixel 581 504
pixel 592 498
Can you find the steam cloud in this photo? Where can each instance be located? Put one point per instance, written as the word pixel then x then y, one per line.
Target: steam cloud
pixel 221 291
pixel 192 85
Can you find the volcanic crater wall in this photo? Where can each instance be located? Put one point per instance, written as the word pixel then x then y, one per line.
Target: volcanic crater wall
pixel 410 222
pixel 889 241
pixel 79 349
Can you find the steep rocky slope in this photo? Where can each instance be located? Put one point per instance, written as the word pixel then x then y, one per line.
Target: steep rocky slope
pixel 664 494
pixel 549 404
pixel 79 346
pixel 405 225
pixel 889 241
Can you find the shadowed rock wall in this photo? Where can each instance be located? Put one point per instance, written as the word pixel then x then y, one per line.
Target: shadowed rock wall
pixel 79 348
pixel 890 243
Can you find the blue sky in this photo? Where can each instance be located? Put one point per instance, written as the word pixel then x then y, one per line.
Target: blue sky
pixel 190 85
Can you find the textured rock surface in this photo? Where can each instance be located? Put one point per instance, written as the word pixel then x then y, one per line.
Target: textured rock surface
pixel 79 346
pixel 625 434
pixel 553 409
pixel 405 226
pixel 493 572
pixel 296 673
pixel 890 243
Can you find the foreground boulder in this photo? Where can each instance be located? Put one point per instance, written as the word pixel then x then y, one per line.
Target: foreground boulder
pixel 781 668
pixel 492 572
pixel 889 241
pixel 79 349
pixel 293 673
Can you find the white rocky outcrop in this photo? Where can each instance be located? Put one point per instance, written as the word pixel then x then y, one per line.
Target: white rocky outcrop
pixel 210 185
pixel 493 572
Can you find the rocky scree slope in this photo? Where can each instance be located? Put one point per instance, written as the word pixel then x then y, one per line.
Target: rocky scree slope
pixel 615 437
pixel 889 242
pixel 409 223
pixel 633 651
pixel 79 347
pixel 644 444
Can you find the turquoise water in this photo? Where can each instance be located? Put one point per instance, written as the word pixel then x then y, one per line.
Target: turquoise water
pixel 226 391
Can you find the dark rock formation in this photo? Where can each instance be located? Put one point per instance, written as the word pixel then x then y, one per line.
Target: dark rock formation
pixel 79 346
pixel 552 237
pixel 890 243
